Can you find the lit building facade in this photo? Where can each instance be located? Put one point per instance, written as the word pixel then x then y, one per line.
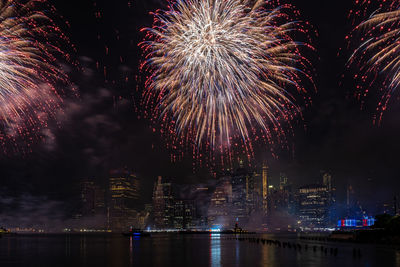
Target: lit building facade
pixel 124 197
pixel 240 196
pixel 184 214
pixel 327 181
pixel 281 207
pixel 163 205
pixel 264 174
pixel 219 211
pixel 313 206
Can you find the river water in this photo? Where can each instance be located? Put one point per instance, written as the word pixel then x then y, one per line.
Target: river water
pixel 184 250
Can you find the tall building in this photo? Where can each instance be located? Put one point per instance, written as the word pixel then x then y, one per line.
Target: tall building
pixel 241 183
pixel 179 214
pixel 313 205
pixel 283 181
pixel 353 206
pixel 281 206
pixel 158 203
pixel 142 219
pixel 279 200
pixel 190 214
pixel 124 199
pixel 257 192
pixel 92 198
pixel 280 217
pixel 265 188
pixel 163 205
pixel 88 198
pixel 219 211
pixel 202 196
pixel 99 200
pixel 328 182
pixel 184 213
pixel 251 194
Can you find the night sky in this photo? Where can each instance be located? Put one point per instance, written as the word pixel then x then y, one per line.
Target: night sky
pixel 103 129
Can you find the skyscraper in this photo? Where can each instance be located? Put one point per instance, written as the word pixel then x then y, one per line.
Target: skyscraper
pixel 258 191
pixel 280 208
pixel 179 214
pixel 314 205
pixel 251 197
pixel 353 206
pixel 265 188
pixel 283 181
pixel 158 203
pixel 124 199
pixel 202 196
pixel 184 212
pixel 328 182
pixel 92 198
pixel 219 211
pixel 163 204
pixel 88 198
pixel 240 188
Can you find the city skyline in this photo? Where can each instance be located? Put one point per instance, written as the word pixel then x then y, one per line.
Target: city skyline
pixel 234 197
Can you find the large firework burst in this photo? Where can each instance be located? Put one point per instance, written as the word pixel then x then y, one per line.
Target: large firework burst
pixel 221 69
pixel 378 54
pixel 30 44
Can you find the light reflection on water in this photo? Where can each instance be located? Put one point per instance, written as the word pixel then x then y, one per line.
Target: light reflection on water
pixel 237 250
pixel 215 249
pixel 267 256
pixel 83 249
pixel 131 250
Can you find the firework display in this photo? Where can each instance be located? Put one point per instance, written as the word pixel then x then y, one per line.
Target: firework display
pixel 29 48
pixel 377 55
pixel 221 70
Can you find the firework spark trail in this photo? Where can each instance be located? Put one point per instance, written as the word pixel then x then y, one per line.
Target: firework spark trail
pixel 219 69
pixel 378 54
pixel 30 44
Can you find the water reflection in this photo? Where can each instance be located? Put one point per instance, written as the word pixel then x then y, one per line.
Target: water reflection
pixel 237 254
pixel 215 250
pixel 134 249
pixel 181 250
pixel 83 249
pixel 131 250
pixel 67 245
pixel 267 256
